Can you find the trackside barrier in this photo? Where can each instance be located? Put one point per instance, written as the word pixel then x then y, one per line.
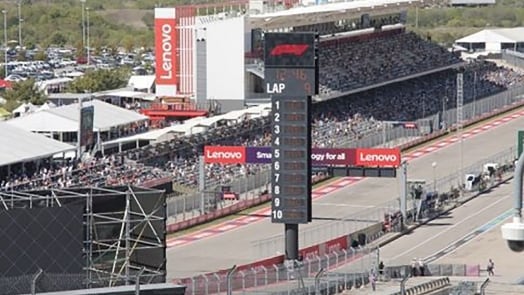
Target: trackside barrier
pixel 425 288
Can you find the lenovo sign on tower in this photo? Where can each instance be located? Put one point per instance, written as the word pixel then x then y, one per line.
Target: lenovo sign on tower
pixel 166 51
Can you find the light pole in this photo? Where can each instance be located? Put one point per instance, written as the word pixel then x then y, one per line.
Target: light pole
pixel 20 20
pixel 83 25
pixel 434 165
pixel 4 12
pixel 88 45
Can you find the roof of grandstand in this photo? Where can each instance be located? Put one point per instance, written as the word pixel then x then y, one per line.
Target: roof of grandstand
pixel 505 35
pixel 65 118
pixel 17 145
pixel 330 12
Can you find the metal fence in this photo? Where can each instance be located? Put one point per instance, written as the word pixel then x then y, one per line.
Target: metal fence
pixel 280 278
pixel 513 58
pixel 190 205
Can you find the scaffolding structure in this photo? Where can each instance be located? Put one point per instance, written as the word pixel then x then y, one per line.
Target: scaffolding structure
pixel 123 234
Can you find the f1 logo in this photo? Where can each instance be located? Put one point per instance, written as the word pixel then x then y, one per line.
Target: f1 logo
pixel 289 49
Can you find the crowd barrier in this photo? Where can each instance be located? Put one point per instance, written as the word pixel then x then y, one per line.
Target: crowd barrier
pixel 425 288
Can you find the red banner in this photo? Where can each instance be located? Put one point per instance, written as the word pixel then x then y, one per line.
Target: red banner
pixel 377 157
pixel 225 154
pixel 166 50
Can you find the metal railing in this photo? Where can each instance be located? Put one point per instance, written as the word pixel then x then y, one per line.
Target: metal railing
pixel 280 278
pixel 513 58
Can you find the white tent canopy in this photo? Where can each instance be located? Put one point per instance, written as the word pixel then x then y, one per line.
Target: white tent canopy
pixel 487 35
pixel 17 145
pixel 45 122
pixel 106 114
pixel 65 118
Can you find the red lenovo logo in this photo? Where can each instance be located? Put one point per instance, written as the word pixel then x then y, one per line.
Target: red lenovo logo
pixel 291 49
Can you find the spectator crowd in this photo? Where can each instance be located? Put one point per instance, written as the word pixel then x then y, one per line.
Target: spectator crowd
pixel 346 65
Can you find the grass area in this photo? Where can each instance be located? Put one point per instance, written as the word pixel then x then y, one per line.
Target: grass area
pixel 236 215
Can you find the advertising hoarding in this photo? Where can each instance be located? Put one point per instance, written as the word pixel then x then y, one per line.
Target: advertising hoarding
pixel 166 63
pixel 377 157
pixel 225 154
pixel 319 156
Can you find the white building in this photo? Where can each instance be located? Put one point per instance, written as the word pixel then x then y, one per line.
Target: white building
pixel 494 40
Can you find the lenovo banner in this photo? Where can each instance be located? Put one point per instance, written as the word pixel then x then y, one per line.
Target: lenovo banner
pixel 166 51
pixel 225 154
pixel 319 157
pixel 377 157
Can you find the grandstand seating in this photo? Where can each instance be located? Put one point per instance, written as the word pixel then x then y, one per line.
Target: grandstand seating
pixel 364 60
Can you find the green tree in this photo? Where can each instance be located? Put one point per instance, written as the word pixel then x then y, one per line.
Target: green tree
pixel 24 91
pixel 100 80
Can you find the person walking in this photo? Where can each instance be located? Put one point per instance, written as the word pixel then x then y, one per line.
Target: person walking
pixel 491 267
pixel 373 280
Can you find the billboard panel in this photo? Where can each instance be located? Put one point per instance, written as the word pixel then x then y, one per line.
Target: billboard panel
pixel 166 63
pixel 224 154
pixel 377 157
pixel 319 156
pixel 87 116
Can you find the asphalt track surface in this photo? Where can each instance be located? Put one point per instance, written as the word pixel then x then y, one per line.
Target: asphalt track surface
pixel 223 249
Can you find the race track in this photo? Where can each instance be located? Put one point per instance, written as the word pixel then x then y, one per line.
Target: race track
pixel 234 246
